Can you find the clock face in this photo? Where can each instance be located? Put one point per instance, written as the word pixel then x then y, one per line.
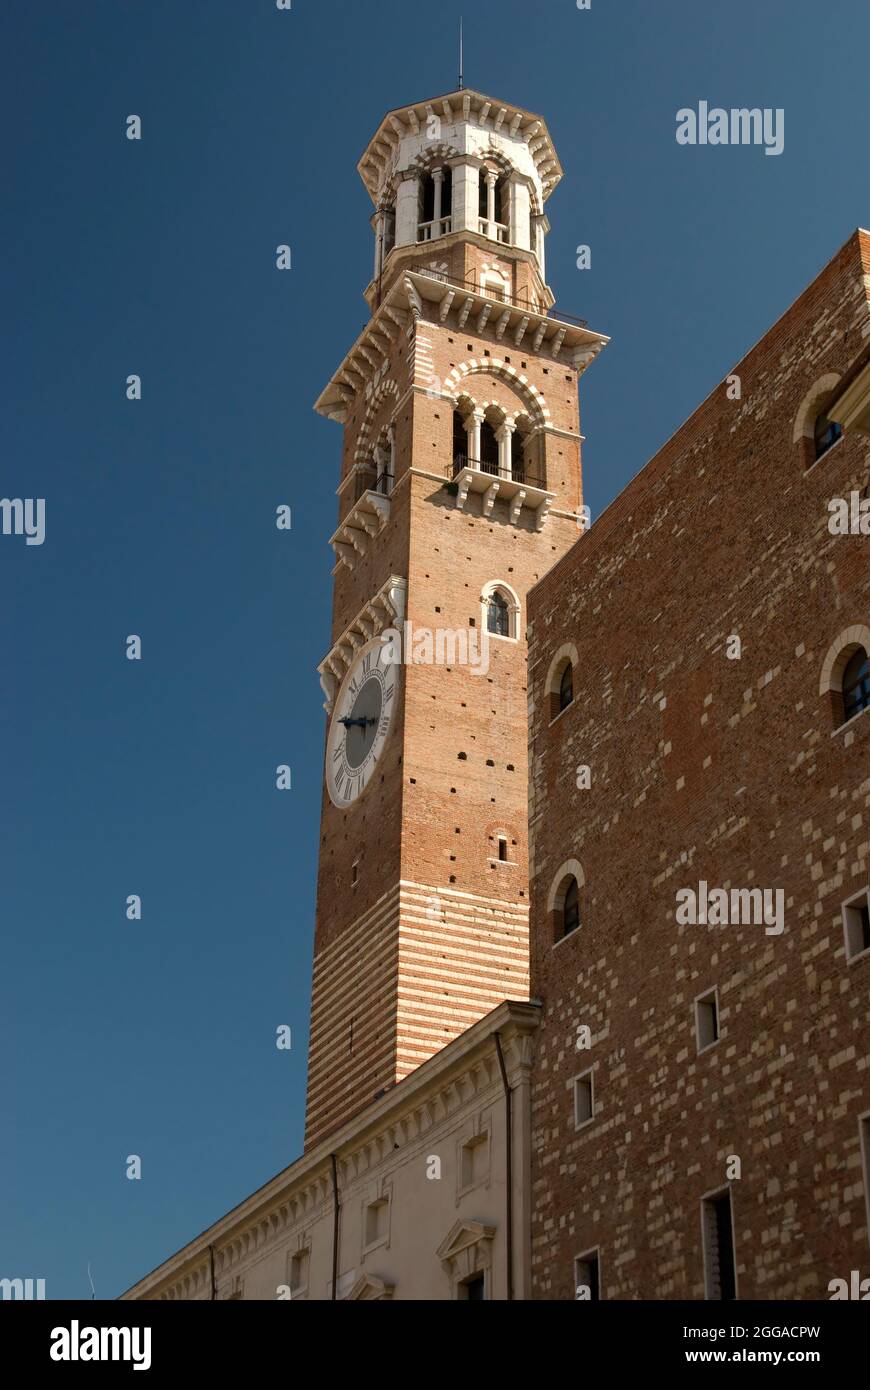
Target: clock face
pixel 360 724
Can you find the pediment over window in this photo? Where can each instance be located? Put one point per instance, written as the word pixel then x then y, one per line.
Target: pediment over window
pixel 464 1237
pixel 370 1289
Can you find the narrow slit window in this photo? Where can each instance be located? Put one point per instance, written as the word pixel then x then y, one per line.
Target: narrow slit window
pixel 720 1270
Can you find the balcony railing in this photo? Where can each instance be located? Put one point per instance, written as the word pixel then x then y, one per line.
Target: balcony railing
pixel 499 230
pixel 519 473
pixel 430 231
pixel 523 302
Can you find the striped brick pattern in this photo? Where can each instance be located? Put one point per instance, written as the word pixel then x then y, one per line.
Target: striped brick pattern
pixel 352 1052
pixel 399 984
pixel 459 957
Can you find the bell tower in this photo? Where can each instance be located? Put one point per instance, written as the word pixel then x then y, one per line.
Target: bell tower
pixel 460 487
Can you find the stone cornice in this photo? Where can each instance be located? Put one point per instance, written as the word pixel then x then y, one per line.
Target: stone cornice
pixel 365 364
pixel 437 1088
pixel 385 609
pixel 380 158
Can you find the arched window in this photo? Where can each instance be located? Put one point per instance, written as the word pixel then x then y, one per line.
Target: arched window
pixel 826 434
pixel 563 900
pixel 844 682
pixel 856 685
pixel 498 618
pixel 500 610
pixel 571 908
pixel 566 688
pixel 559 685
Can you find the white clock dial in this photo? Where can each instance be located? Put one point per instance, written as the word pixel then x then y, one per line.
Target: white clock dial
pixel 361 722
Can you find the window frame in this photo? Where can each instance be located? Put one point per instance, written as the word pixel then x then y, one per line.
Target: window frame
pixel 595 1252
pixel 700 999
pixel 514 610
pixel 727 1189
pixel 853 957
pixel 588 1074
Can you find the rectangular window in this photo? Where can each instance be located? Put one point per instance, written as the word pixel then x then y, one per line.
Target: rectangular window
pixel 502 849
pixel 298 1272
pixel 376 1222
pixel 720 1270
pixel 864 1131
pixel 587 1286
pixel 707 1020
pixel 474 1161
pixel 856 924
pixel 584 1100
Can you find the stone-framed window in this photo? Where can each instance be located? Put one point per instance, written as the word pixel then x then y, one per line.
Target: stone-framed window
pixel 560 687
pixel 707 1019
pixel 587 1276
pixel 811 433
pixel 500 611
pixel 856 925
pixel 565 902
pixel 583 1098
pixel 844 682
pixel 717 1237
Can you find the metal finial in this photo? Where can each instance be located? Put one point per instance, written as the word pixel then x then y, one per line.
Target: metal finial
pixel 461 57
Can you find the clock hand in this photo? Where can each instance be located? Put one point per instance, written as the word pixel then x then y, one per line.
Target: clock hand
pixel 357 723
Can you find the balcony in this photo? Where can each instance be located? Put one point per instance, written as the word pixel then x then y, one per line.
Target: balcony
pixel 521 489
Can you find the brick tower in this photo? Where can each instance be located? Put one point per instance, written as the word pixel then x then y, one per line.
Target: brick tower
pixel 460 487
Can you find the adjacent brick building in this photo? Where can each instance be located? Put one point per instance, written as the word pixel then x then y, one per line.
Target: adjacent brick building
pixel 689 726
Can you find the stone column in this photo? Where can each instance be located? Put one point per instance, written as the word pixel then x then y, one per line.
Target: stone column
pixel 491 181
pixel 391 436
pixel 540 226
pixel 408 209
pixel 379 224
pixel 519 232
pixel 466 194
pixel 504 435
pixel 473 423
pixel 438 180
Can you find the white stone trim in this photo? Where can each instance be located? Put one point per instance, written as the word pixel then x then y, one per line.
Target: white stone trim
pixel 808 410
pixel 838 655
pixel 570 869
pixel 386 609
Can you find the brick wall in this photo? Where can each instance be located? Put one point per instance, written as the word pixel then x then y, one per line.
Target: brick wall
pixel 707 768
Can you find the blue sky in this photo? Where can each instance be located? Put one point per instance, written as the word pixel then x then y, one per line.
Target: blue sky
pixel 157 778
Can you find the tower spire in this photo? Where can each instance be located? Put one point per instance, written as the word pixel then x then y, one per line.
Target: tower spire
pixel 461 57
